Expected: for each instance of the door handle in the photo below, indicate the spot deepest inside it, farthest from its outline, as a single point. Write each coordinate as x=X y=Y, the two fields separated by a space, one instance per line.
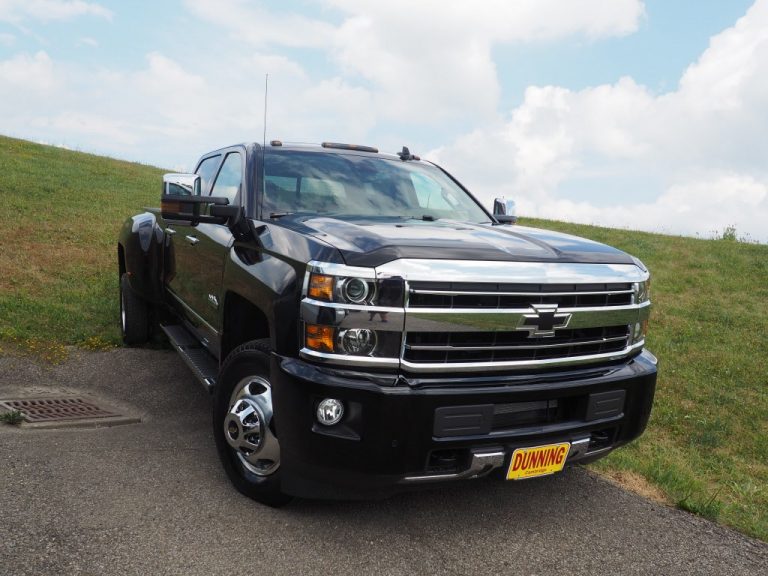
x=170 y=231
x=192 y=240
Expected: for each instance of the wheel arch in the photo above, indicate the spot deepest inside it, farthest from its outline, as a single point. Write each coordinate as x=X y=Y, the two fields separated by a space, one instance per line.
x=140 y=254
x=242 y=321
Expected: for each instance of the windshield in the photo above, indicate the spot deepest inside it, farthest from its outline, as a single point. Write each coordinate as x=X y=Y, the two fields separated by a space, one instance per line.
x=355 y=185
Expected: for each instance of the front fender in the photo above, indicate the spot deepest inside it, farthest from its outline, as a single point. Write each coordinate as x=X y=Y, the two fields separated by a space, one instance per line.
x=141 y=243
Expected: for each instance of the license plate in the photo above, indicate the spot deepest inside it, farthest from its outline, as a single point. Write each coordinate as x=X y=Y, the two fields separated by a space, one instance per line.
x=537 y=461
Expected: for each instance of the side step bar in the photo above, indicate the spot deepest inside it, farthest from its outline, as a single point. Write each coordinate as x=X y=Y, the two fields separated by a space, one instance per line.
x=203 y=365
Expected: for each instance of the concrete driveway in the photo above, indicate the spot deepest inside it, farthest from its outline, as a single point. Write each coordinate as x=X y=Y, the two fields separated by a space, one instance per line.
x=151 y=498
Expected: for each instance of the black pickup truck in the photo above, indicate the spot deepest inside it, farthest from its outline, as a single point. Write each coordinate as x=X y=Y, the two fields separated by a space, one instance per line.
x=366 y=326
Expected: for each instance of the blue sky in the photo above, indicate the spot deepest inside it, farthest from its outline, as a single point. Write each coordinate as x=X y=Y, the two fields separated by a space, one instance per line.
x=635 y=114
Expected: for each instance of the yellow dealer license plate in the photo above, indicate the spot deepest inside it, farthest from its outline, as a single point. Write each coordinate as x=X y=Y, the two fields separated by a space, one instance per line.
x=537 y=461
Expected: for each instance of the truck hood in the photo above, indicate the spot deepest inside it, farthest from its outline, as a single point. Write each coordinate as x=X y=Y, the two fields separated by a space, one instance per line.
x=375 y=241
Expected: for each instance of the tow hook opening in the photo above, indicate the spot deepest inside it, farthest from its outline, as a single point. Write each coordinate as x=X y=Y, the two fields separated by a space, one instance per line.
x=447 y=461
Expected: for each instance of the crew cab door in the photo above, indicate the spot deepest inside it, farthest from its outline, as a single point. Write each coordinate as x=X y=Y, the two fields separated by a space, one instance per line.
x=183 y=240
x=212 y=248
x=200 y=251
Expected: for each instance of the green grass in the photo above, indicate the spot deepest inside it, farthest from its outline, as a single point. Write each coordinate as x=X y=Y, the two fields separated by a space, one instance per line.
x=706 y=446
x=14 y=417
x=60 y=217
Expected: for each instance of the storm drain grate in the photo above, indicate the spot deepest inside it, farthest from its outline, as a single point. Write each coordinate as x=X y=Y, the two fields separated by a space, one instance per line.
x=57 y=409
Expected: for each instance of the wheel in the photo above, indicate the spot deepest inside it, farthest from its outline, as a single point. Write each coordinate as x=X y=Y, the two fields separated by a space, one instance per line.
x=244 y=424
x=134 y=315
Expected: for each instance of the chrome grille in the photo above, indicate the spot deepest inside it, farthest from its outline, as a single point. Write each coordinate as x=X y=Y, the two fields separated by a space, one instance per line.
x=457 y=347
x=463 y=316
x=505 y=296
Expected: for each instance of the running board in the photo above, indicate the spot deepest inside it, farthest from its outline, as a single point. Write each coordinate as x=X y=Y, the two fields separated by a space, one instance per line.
x=203 y=365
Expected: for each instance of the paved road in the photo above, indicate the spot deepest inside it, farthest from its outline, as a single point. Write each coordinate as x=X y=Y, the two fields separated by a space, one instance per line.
x=150 y=498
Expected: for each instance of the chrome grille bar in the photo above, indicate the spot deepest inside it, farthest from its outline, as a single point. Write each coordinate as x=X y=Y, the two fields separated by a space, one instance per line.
x=517 y=347
x=543 y=293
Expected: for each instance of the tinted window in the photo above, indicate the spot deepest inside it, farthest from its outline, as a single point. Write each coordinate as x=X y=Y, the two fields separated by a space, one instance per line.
x=206 y=171
x=230 y=176
x=347 y=184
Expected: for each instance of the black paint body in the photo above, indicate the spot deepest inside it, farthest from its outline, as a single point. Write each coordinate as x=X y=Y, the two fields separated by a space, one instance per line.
x=390 y=435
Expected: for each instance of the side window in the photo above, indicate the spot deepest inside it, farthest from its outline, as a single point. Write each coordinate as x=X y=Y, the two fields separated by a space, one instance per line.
x=206 y=171
x=230 y=177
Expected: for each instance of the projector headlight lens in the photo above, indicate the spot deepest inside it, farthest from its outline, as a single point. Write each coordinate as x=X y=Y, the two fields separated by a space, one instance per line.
x=355 y=290
x=358 y=341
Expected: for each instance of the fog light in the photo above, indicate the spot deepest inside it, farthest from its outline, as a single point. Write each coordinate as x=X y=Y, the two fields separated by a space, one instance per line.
x=330 y=411
x=358 y=341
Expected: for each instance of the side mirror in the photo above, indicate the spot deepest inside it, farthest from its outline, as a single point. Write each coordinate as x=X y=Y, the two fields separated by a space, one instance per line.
x=181 y=185
x=181 y=200
x=504 y=211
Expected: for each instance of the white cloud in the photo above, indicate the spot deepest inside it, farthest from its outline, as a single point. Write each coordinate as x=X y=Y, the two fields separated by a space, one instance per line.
x=260 y=27
x=167 y=114
x=87 y=41
x=16 y=11
x=427 y=61
x=28 y=75
x=703 y=207
x=690 y=160
x=7 y=39
x=696 y=154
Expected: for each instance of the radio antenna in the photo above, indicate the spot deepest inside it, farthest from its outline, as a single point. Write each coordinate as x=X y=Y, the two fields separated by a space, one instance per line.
x=264 y=145
x=266 y=93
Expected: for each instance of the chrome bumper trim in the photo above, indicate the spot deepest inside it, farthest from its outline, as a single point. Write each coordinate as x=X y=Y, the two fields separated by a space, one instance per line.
x=482 y=463
x=349 y=360
x=443 y=367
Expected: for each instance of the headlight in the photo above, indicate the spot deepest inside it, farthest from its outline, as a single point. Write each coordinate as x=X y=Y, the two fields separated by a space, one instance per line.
x=358 y=341
x=344 y=290
x=642 y=291
x=321 y=287
x=351 y=317
x=320 y=338
x=642 y=295
x=355 y=290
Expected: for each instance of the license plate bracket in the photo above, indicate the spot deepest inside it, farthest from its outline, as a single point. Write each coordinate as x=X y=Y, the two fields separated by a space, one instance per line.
x=533 y=461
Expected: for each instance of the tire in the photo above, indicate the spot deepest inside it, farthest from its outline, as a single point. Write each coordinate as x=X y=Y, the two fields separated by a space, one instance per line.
x=134 y=315
x=244 y=424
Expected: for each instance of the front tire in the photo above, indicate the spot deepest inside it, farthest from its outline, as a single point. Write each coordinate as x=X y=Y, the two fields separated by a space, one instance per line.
x=134 y=315
x=244 y=424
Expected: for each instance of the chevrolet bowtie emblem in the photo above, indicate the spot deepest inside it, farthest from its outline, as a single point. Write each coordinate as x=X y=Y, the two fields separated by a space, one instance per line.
x=544 y=322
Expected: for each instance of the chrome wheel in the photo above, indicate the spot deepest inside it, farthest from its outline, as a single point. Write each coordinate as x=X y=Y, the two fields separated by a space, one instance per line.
x=247 y=426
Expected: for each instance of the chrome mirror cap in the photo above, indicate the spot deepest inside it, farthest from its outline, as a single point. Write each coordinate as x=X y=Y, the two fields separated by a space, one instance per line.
x=504 y=211
x=181 y=185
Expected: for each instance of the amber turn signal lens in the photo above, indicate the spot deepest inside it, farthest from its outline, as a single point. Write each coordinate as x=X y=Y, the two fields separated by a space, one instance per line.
x=319 y=338
x=321 y=287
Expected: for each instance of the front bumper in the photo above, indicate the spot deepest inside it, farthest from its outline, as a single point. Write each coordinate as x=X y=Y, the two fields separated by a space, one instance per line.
x=426 y=430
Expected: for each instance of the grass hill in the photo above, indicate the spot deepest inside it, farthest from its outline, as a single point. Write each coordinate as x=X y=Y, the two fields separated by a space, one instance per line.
x=706 y=448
